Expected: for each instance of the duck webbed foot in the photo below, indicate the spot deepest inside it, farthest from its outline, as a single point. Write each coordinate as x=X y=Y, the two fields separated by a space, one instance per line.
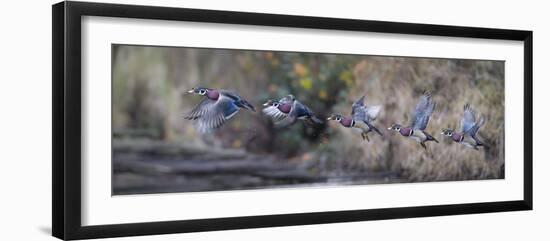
x=423 y=145
x=365 y=136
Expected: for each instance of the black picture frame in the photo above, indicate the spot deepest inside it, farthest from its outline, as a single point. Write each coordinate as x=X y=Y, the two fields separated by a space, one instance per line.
x=66 y=158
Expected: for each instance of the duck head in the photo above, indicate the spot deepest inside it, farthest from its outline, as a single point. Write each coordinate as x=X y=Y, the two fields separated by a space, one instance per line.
x=395 y=127
x=272 y=103
x=447 y=132
x=344 y=121
x=209 y=93
x=198 y=90
x=403 y=130
x=457 y=137
x=336 y=117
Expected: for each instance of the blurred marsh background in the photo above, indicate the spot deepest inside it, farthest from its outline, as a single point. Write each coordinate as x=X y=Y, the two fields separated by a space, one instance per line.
x=156 y=150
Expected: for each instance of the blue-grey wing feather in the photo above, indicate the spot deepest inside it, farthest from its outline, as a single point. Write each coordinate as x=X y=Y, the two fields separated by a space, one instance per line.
x=360 y=102
x=223 y=109
x=357 y=109
x=469 y=123
x=361 y=112
x=469 y=119
x=422 y=112
x=473 y=131
x=230 y=94
x=204 y=106
x=291 y=117
x=238 y=100
x=274 y=113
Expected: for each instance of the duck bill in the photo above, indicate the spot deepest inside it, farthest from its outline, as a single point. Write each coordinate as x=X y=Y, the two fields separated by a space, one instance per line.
x=266 y=103
x=191 y=91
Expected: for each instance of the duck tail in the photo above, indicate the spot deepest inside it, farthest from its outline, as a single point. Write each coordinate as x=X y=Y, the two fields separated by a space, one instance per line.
x=486 y=147
x=246 y=105
x=374 y=128
x=430 y=138
x=315 y=120
x=479 y=143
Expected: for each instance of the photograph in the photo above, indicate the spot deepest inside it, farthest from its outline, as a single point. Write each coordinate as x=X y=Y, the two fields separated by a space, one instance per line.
x=190 y=119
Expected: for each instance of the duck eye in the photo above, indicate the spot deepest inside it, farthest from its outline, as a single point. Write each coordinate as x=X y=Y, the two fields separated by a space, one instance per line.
x=202 y=92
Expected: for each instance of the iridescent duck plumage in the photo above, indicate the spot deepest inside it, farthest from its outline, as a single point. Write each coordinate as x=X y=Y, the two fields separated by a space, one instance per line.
x=216 y=108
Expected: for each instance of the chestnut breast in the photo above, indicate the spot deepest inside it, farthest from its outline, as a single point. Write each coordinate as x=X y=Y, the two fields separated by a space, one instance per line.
x=346 y=122
x=285 y=108
x=405 y=131
x=457 y=137
x=213 y=94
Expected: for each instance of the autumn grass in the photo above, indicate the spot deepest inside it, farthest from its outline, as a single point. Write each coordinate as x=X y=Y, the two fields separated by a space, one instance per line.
x=397 y=83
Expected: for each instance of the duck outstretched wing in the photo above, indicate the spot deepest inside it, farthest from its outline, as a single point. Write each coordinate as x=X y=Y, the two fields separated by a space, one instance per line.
x=274 y=113
x=203 y=107
x=217 y=114
x=422 y=112
x=361 y=112
x=291 y=117
x=469 y=118
x=469 y=123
